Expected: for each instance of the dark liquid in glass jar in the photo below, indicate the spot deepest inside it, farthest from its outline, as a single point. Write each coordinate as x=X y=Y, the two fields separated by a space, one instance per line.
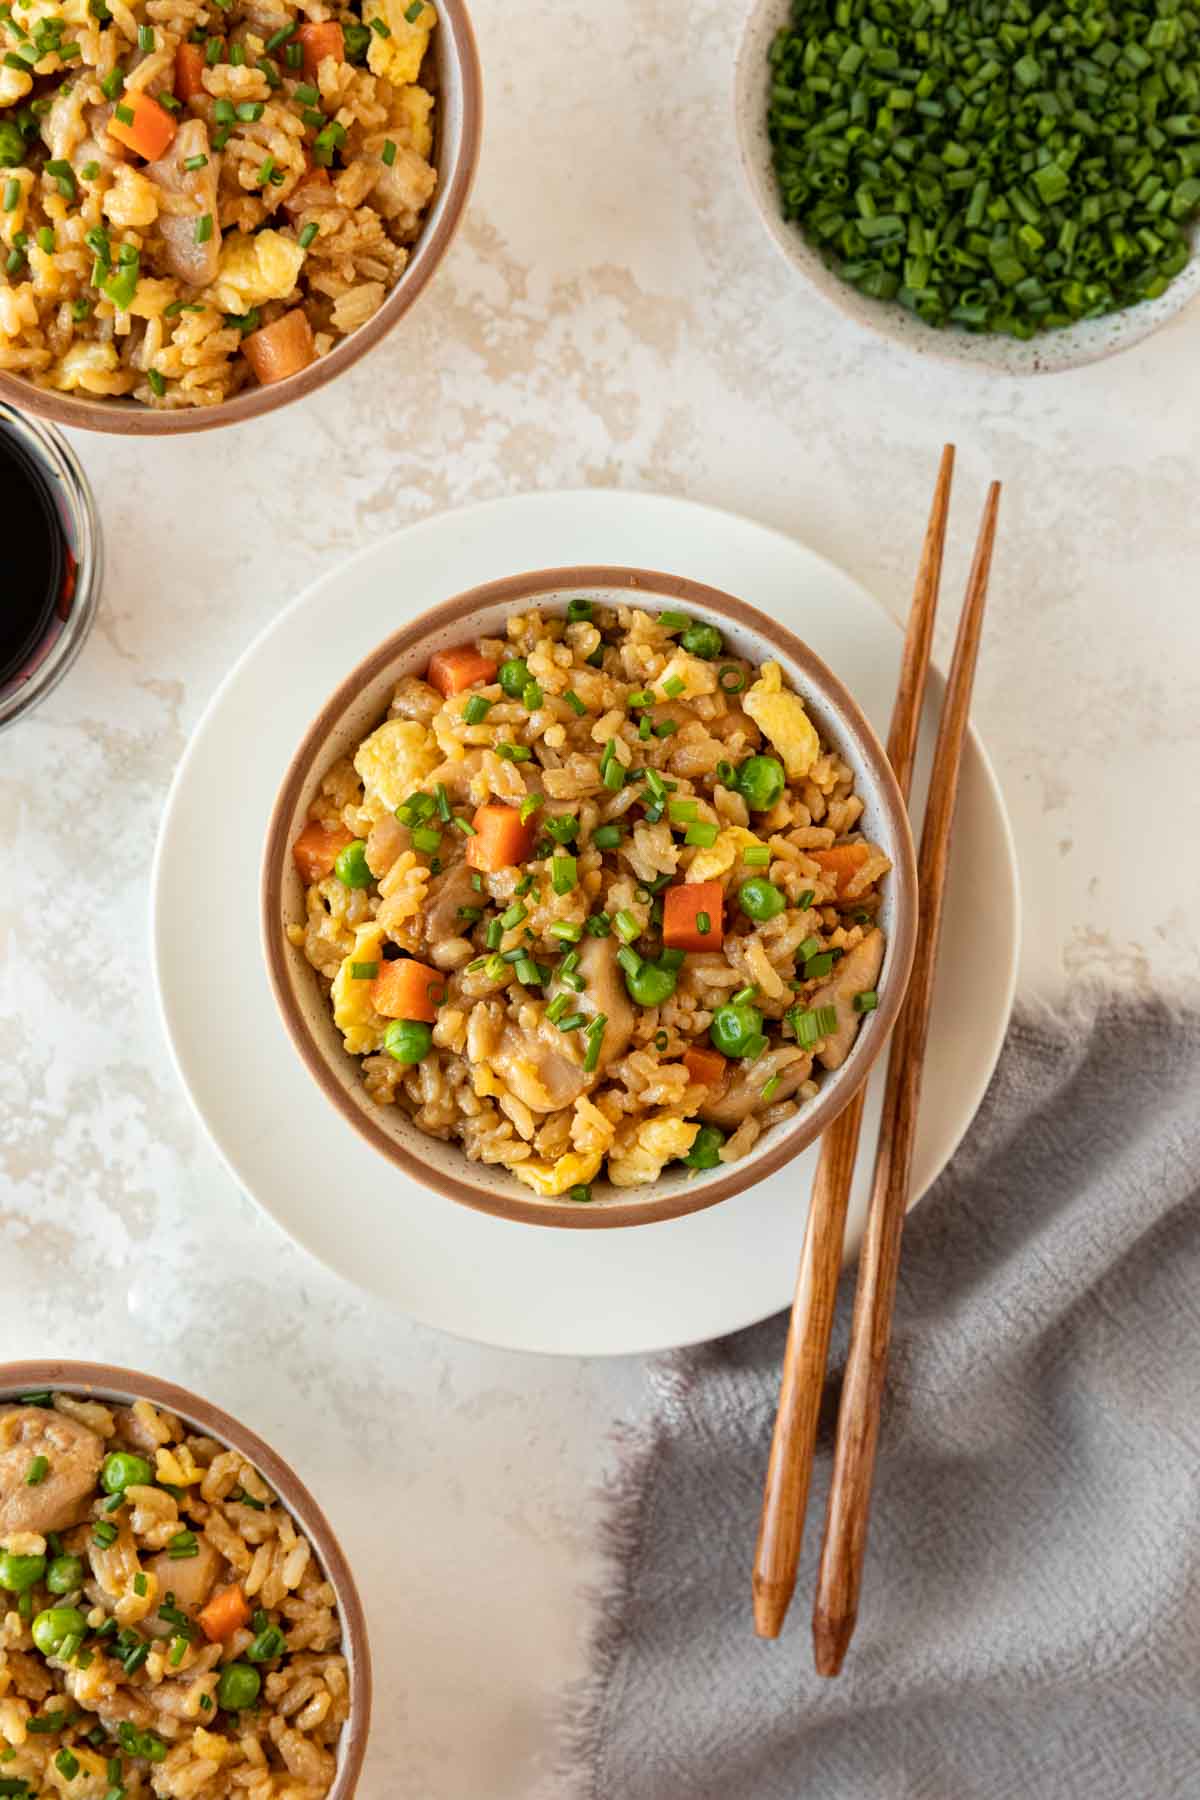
x=34 y=564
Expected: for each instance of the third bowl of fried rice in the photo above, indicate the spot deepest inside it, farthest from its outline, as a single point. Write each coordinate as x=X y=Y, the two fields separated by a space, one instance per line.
x=589 y=897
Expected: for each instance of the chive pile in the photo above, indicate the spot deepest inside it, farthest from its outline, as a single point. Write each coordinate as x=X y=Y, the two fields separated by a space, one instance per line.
x=1000 y=165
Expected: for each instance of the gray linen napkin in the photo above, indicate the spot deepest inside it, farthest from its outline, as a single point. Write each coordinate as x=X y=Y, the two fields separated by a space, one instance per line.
x=1030 y=1623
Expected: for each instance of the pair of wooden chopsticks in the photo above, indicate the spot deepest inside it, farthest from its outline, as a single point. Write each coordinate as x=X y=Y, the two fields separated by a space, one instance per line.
x=789 y=1469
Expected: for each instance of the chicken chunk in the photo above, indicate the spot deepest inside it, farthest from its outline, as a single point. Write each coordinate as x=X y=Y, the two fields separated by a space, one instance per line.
x=855 y=973
x=742 y=1093
x=187 y=194
x=447 y=895
x=190 y=1578
x=73 y=1455
x=538 y=1068
x=605 y=992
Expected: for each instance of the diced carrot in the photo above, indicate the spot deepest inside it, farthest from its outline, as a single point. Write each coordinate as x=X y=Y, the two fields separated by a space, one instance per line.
x=500 y=841
x=450 y=671
x=282 y=348
x=225 y=1613
x=705 y=1066
x=408 y=990
x=316 y=850
x=189 y=72
x=149 y=131
x=321 y=41
x=842 y=861
x=682 y=907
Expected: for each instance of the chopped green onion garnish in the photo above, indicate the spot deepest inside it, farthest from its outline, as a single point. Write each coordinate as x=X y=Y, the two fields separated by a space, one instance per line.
x=606 y=837
x=195 y=162
x=37 y=1472
x=308 y=234
x=805 y=900
x=703 y=924
x=514 y=752
x=581 y=1193
x=464 y=825
x=527 y=971
x=574 y=702
x=526 y=882
x=683 y=811
x=282 y=36
x=381 y=28
x=112 y=84
x=426 y=838
x=672 y=687
x=867 y=1001
x=123 y=114
x=158 y=385
x=139 y=1585
x=204 y=228
x=674 y=621
x=531 y=696
x=702 y=833
x=626 y=926
x=516 y=915
x=307 y=94
x=293 y=55
x=363 y=971
x=744 y=995
x=661 y=1040
x=183 y=1545
x=249 y=111
x=818 y=966
x=223 y=112
x=640 y=697
x=770 y=1087
x=595 y=1038
x=808 y=948
x=145 y=37
x=471 y=915
x=757 y=856
x=67 y=1764
x=476 y=710
x=566 y=929
x=665 y=727
x=45 y=238
x=212 y=52
x=237 y=55
x=731 y=680
x=441 y=800
x=529 y=806
x=579 y=609
x=629 y=959
x=104 y=1533
x=557 y=1008
x=598 y=925
x=12 y=194
x=644 y=727
x=496 y=967
x=388 y=153
x=563 y=873
x=179 y=1647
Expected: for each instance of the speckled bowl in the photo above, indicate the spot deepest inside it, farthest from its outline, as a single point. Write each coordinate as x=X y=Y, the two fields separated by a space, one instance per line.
x=1049 y=354
x=107 y=1382
x=452 y=70
x=360 y=703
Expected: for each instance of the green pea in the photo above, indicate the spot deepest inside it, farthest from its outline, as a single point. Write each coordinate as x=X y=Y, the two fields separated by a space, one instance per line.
x=703 y=640
x=122 y=1469
x=52 y=1628
x=760 y=898
x=351 y=866
x=515 y=677
x=760 y=782
x=12 y=145
x=20 y=1573
x=355 y=40
x=65 y=1574
x=650 y=984
x=408 y=1040
x=238 y=1687
x=734 y=1029
x=704 y=1151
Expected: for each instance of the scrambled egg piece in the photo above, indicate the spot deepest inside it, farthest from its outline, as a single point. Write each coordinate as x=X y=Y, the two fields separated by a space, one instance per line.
x=398 y=57
x=93 y=367
x=14 y=85
x=697 y=677
x=640 y=1159
x=410 y=112
x=782 y=718
x=707 y=865
x=549 y=1179
x=361 y=1026
x=393 y=762
x=255 y=269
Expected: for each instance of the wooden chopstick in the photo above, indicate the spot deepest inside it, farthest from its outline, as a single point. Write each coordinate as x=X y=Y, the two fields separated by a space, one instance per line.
x=789 y=1469
x=839 y=1579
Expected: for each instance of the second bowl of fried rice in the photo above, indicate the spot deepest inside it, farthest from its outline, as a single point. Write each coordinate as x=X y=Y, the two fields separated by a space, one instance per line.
x=210 y=207
x=589 y=898
x=177 y=1619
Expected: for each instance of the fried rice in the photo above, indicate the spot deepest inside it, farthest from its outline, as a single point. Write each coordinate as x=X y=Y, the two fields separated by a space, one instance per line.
x=196 y=195
x=165 y=1629
x=593 y=899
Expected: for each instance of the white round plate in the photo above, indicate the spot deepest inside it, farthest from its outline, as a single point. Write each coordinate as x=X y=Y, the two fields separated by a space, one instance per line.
x=650 y=1287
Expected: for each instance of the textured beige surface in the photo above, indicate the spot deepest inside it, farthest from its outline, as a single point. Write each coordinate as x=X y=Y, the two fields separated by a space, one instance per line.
x=612 y=314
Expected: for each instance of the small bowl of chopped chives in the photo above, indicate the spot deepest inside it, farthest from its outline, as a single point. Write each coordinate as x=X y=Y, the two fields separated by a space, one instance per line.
x=1011 y=187
x=588 y=898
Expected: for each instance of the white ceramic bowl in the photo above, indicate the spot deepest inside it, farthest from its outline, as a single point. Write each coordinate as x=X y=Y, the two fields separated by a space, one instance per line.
x=360 y=703
x=1047 y=354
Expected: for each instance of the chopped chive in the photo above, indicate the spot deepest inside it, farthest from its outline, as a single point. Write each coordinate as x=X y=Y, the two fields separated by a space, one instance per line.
x=683 y=812
x=731 y=680
x=867 y=1001
x=573 y=1021
x=726 y=773
x=145 y=38
x=574 y=702
x=308 y=234
x=674 y=621
x=665 y=727
x=570 y=980
x=566 y=929
x=808 y=948
x=477 y=963
x=613 y=773
x=37 y=1472
x=249 y=111
x=626 y=926
x=527 y=971
x=221 y=136
x=514 y=752
x=266 y=172
x=569 y=963
x=281 y=37
x=123 y=114
x=476 y=710
x=158 y=386
x=640 y=697
x=629 y=959
x=195 y=162
x=579 y=609
x=441 y=800
x=526 y=882
x=757 y=856
x=114 y=1504
x=307 y=94
x=672 y=687
x=204 y=228
x=223 y=112
x=595 y=1038
x=563 y=873
x=464 y=825
x=67 y=1764
x=470 y=914
x=182 y=1545
x=179 y=1648
x=388 y=153
x=562 y=827
x=606 y=837
x=557 y=1007
x=702 y=833
x=599 y=925
x=381 y=28
x=496 y=968
x=237 y=55
x=531 y=696
x=363 y=971
x=744 y=995
x=12 y=194
x=516 y=915
x=661 y=1040
x=293 y=55
x=112 y=84
x=818 y=966
x=581 y=1193
x=703 y=924
x=644 y=727
x=212 y=52
x=104 y=1533
x=139 y=1585
x=657 y=786
x=805 y=900
x=427 y=839
x=529 y=806
x=45 y=238
x=770 y=1087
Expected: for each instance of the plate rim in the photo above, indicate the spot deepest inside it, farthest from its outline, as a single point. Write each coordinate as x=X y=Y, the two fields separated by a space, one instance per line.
x=473 y=511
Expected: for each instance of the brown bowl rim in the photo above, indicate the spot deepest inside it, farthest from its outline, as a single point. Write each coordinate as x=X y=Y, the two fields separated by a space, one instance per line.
x=123 y=419
x=109 y=1381
x=809 y=1124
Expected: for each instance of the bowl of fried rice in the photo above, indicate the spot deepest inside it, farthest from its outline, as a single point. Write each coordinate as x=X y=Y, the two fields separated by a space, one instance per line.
x=176 y=1616
x=589 y=897
x=209 y=208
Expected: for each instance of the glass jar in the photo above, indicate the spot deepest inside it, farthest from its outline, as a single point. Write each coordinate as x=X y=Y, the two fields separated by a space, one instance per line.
x=72 y=617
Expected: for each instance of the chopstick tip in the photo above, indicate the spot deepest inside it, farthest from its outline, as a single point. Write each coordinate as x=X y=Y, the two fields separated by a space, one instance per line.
x=771 y=1602
x=831 y=1640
